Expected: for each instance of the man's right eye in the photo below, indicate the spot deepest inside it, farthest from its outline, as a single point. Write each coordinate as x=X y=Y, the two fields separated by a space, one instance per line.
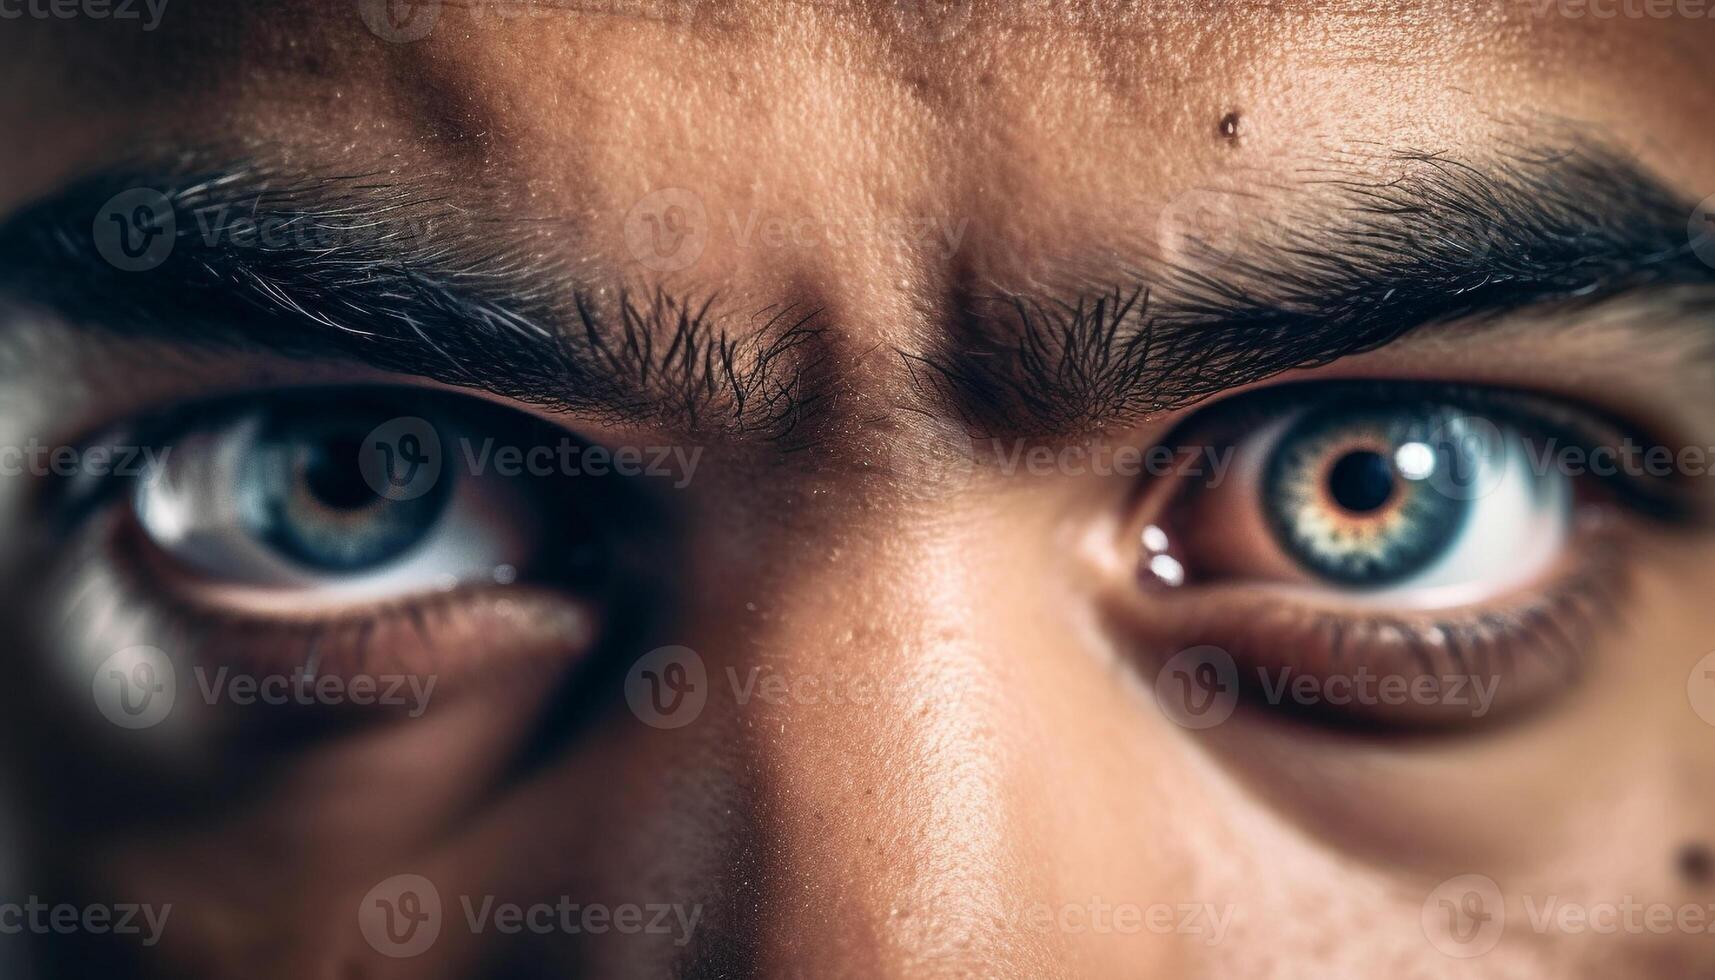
x=327 y=522
x=353 y=500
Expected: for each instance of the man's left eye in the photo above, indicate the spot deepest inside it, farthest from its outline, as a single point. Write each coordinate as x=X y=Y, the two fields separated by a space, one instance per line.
x=1414 y=531
x=1410 y=497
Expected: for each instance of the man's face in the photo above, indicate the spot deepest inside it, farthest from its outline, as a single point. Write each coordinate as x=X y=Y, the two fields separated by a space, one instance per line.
x=849 y=489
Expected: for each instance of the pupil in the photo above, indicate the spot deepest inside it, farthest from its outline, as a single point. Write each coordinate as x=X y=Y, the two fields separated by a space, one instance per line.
x=334 y=478
x=1361 y=481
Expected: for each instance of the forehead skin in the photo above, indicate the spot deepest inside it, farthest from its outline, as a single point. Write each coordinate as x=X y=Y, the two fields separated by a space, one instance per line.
x=1053 y=133
x=1034 y=132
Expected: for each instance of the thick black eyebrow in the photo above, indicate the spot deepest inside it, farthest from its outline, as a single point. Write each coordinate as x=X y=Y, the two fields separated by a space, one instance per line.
x=390 y=271
x=1444 y=241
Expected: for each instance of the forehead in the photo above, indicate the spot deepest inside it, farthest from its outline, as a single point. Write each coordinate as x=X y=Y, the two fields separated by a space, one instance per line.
x=900 y=91
x=857 y=153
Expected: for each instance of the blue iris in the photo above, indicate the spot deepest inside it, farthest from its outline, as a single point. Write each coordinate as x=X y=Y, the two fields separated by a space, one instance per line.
x=304 y=493
x=1369 y=496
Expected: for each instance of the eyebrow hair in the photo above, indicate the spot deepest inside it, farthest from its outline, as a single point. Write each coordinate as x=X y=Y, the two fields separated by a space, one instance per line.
x=390 y=272
x=1444 y=241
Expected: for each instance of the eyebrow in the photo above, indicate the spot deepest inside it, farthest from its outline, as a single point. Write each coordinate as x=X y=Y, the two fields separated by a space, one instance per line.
x=1443 y=242
x=389 y=271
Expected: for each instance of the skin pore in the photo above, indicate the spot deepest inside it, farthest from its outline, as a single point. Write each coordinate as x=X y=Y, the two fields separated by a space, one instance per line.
x=863 y=178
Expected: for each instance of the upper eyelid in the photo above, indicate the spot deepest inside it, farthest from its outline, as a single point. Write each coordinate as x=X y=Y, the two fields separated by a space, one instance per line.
x=1564 y=424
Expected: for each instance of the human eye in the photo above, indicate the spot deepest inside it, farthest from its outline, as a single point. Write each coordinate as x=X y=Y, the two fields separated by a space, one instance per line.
x=342 y=530
x=1401 y=555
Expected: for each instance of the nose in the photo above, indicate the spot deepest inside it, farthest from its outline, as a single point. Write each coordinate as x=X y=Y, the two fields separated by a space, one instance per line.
x=881 y=729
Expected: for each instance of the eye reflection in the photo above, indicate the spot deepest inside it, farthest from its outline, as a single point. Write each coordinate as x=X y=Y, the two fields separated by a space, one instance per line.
x=1415 y=531
x=1412 y=498
x=1339 y=500
x=273 y=495
x=304 y=492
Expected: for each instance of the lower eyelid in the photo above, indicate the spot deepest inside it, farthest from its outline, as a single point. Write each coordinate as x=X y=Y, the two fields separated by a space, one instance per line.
x=476 y=633
x=1528 y=645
